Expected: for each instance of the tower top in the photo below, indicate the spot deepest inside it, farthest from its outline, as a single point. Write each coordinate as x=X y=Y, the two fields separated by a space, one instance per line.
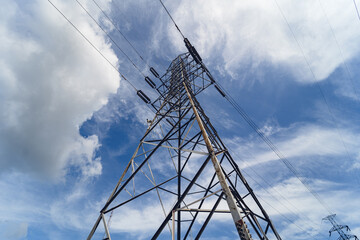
x=339 y=228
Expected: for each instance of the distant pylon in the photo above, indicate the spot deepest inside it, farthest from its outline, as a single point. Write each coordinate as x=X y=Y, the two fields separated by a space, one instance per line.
x=339 y=228
x=182 y=165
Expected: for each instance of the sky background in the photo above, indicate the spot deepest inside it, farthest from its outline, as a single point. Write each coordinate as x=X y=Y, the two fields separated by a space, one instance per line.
x=69 y=123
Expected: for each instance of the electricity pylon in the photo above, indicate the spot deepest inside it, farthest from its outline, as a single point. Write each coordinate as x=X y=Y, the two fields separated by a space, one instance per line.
x=339 y=228
x=182 y=165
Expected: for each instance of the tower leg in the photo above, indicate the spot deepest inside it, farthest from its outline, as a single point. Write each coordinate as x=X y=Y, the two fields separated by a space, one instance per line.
x=235 y=211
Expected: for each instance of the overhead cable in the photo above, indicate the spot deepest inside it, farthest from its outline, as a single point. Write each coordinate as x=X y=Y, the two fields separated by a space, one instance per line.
x=285 y=217
x=121 y=33
x=116 y=69
x=172 y=19
x=249 y=120
x=138 y=92
x=356 y=8
x=348 y=75
x=314 y=77
x=341 y=52
x=152 y=70
x=98 y=24
x=272 y=146
x=273 y=189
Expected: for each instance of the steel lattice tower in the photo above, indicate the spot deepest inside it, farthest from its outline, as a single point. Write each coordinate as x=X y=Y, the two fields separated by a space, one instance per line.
x=182 y=163
x=339 y=228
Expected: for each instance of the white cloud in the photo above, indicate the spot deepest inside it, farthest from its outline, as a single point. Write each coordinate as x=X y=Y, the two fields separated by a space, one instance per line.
x=317 y=152
x=51 y=80
x=27 y=203
x=22 y=204
x=308 y=211
x=299 y=140
x=75 y=209
x=246 y=34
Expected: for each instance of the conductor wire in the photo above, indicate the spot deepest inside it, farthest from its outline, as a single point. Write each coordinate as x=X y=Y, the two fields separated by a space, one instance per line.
x=172 y=19
x=135 y=66
x=121 y=33
x=287 y=163
x=357 y=10
x=116 y=69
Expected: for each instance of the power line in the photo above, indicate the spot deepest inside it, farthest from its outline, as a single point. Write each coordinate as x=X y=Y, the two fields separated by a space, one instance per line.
x=256 y=128
x=172 y=19
x=268 y=184
x=142 y=95
x=304 y=56
x=112 y=40
x=286 y=218
x=114 y=3
x=138 y=92
x=356 y=8
x=68 y=20
x=297 y=42
x=122 y=51
x=273 y=147
x=315 y=79
x=277 y=199
x=347 y=71
x=121 y=33
x=287 y=163
x=272 y=195
x=341 y=52
x=147 y=79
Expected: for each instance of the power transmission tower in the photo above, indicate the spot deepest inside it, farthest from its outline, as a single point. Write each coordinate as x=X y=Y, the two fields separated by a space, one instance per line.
x=182 y=164
x=339 y=228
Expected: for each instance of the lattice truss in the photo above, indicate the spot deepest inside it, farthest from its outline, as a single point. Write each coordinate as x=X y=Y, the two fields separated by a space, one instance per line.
x=170 y=182
x=339 y=229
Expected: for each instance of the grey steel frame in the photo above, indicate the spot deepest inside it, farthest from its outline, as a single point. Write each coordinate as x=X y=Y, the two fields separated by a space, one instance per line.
x=177 y=111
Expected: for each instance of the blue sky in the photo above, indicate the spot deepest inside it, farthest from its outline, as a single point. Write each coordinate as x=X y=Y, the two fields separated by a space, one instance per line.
x=69 y=123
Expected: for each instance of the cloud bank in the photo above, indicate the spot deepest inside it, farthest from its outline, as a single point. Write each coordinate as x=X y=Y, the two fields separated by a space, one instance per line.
x=301 y=142
x=54 y=81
